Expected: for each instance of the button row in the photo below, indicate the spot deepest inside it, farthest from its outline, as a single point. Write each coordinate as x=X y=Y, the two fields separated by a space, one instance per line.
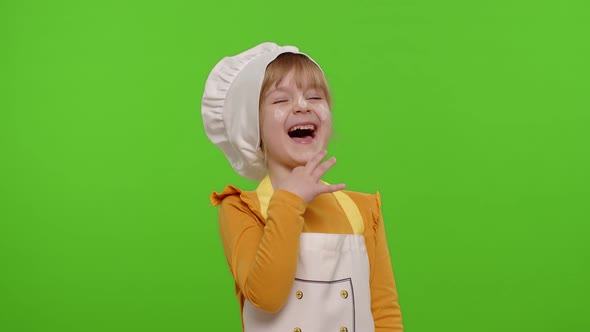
x=299 y=294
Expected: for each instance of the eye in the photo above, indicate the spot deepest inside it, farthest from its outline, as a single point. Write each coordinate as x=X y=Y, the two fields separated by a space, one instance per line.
x=315 y=98
x=278 y=101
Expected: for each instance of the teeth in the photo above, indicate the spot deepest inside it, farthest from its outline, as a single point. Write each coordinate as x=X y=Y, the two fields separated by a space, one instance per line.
x=302 y=127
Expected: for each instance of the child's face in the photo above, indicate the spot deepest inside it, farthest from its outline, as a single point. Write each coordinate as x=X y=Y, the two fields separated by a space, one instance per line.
x=295 y=123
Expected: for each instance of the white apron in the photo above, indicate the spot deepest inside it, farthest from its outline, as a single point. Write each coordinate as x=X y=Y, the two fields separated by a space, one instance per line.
x=331 y=287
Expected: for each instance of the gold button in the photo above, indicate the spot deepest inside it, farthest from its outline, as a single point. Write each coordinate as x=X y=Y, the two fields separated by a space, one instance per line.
x=296 y=329
x=343 y=329
x=344 y=295
x=299 y=294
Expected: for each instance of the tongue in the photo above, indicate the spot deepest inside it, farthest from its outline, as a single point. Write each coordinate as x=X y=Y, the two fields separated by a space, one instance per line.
x=302 y=140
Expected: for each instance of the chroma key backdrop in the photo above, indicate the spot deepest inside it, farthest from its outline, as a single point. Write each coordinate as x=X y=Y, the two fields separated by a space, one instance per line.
x=469 y=117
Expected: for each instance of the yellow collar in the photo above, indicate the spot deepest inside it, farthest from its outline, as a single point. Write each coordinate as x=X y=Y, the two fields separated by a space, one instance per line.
x=265 y=191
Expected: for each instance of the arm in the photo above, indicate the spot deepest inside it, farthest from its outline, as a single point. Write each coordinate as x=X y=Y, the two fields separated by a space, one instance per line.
x=384 y=299
x=263 y=258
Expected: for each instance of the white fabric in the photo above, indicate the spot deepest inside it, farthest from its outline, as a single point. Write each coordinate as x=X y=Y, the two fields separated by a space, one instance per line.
x=328 y=264
x=230 y=107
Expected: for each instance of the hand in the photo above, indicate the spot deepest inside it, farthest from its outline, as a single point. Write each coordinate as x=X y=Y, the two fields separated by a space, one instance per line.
x=305 y=181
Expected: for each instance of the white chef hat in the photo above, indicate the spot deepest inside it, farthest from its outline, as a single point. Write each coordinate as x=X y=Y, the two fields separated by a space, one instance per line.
x=230 y=107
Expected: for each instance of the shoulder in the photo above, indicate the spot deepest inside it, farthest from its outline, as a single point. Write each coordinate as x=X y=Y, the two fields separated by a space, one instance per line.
x=235 y=197
x=366 y=202
x=228 y=192
x=364 y=199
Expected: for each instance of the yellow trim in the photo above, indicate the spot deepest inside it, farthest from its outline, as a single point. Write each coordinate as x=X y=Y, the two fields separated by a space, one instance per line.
x=352 y=212
x=265 y=191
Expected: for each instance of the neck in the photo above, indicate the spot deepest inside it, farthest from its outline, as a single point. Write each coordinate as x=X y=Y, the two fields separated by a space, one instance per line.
x=277 y=173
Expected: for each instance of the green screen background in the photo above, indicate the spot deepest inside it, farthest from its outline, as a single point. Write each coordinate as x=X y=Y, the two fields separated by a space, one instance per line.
x=470 y=117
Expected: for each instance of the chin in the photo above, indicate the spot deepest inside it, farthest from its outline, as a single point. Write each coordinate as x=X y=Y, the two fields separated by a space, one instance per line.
x=304 y=157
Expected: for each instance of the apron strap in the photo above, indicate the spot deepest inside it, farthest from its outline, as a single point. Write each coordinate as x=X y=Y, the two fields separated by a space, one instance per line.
x=352 y=212
x=265 y=191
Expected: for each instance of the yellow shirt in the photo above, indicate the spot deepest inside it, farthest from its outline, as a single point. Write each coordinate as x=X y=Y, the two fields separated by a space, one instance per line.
x=262 y=254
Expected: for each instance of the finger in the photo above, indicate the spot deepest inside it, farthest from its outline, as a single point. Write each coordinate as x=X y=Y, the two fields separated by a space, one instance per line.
x=332 y=188
x=313 y=163
x=319 y=172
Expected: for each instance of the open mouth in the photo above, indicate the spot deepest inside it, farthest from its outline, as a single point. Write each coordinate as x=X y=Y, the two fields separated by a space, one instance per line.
x=302 y=131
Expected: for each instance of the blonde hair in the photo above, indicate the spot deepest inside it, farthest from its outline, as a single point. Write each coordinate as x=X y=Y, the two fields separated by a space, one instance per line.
x=305 y=69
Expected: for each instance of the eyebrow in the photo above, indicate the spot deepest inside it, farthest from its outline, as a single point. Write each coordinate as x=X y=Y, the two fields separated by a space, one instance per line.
x=277 y=89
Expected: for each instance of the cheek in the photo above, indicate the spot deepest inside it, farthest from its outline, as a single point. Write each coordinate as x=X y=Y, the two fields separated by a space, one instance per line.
x=325 y=115
x=272 y=121
x=279 y=115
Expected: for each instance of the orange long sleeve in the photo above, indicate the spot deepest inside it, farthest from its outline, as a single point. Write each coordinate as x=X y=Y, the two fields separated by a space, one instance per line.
x=262 y=255
x=384 y=298
x=263 y=258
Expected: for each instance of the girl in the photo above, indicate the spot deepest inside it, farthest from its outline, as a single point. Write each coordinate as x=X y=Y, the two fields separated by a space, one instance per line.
x=305 y=255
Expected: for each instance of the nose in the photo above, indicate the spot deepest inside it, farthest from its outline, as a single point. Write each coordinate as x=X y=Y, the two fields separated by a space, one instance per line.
x=301 y=106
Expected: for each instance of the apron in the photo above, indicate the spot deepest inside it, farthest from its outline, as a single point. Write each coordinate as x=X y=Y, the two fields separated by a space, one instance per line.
x=331 y=288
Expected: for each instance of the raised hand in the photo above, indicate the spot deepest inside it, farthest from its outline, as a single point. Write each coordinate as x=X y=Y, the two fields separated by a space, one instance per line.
x=305 y=181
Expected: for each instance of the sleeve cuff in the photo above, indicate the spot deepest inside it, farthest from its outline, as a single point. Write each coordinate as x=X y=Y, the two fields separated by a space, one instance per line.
x=289 y=201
